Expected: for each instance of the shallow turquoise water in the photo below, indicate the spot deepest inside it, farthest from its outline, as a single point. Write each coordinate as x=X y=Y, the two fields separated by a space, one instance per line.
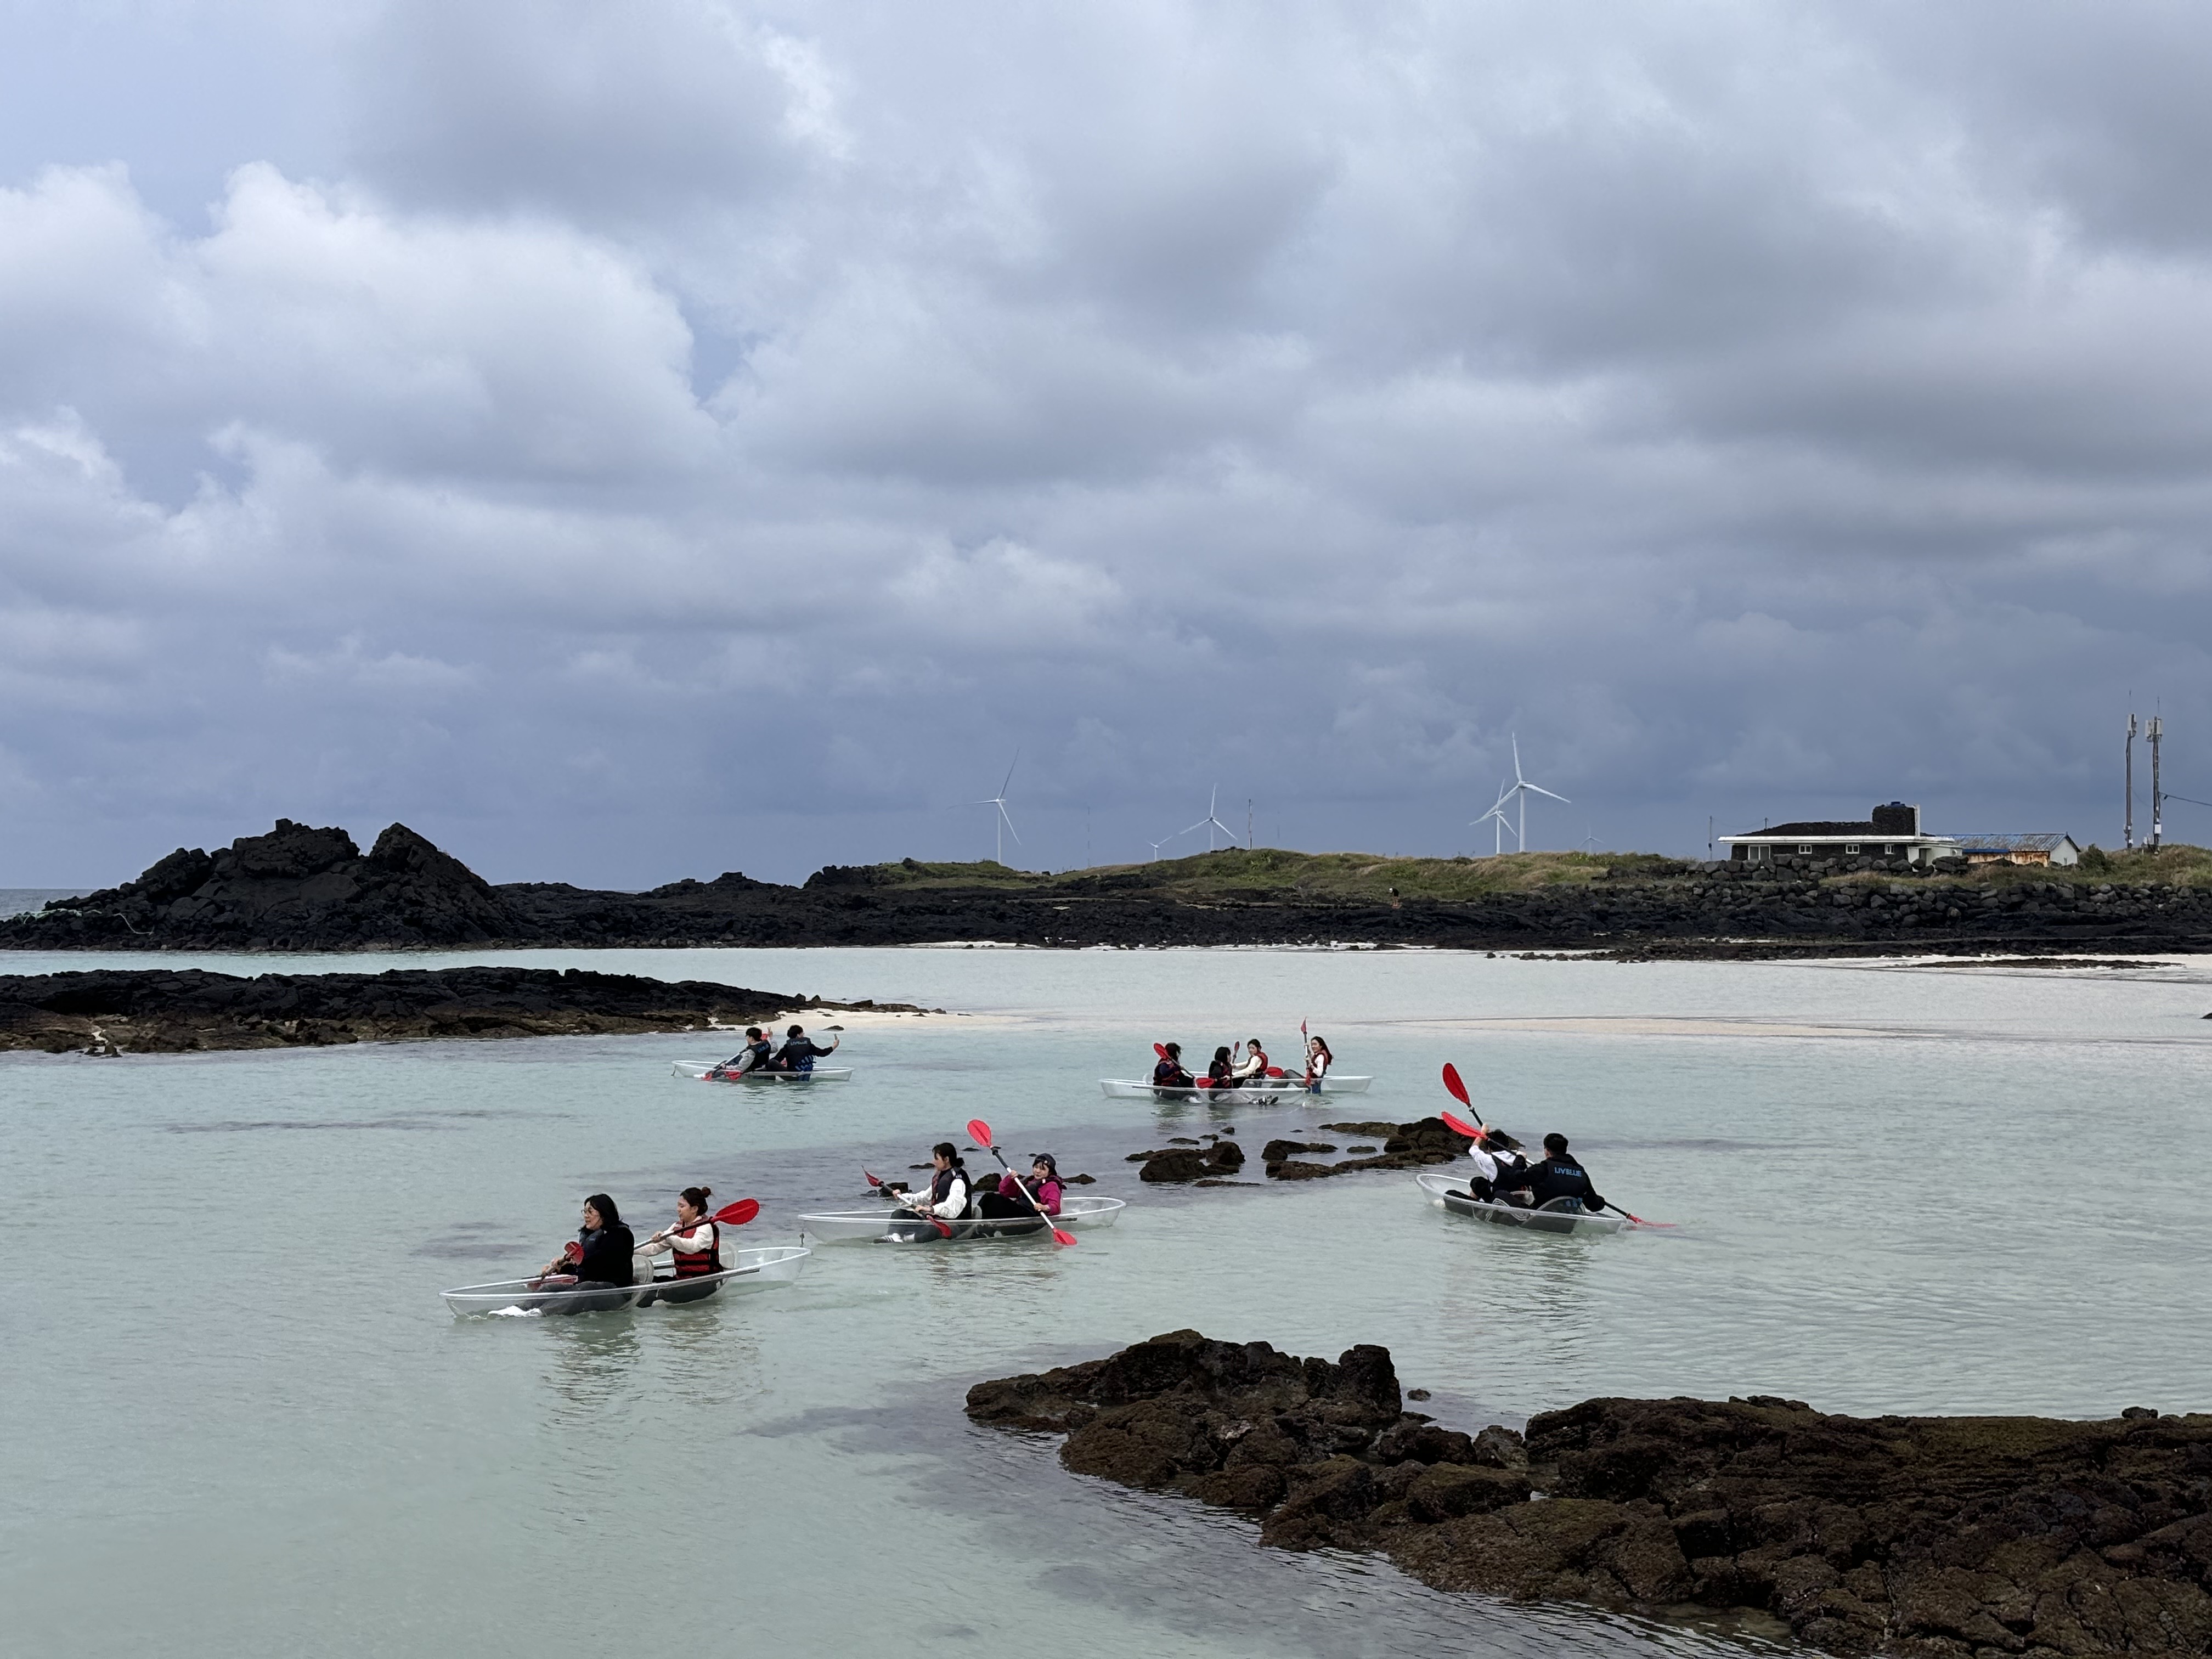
x=241 y=1422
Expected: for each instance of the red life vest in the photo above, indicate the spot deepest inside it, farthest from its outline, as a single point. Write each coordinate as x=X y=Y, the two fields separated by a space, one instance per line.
x=693 y=1264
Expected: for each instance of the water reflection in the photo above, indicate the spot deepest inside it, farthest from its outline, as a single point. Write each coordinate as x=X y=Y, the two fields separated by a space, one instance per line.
x=591 y=1361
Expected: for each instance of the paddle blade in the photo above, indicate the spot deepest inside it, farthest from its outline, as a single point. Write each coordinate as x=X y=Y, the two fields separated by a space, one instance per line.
x=1060 y=1237
x=1454 y=1087
x=873 y=1180
x=980 y=1132
x=1161 y=1049
x=736 y=1214
x=1460 y=1125
x=1275 y=1071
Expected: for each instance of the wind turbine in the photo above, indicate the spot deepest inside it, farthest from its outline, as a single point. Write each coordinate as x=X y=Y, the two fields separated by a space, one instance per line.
x=1496 y=815
x=1521 y=790
x=999 y=800
x=1210 y=822
x=1157 y=845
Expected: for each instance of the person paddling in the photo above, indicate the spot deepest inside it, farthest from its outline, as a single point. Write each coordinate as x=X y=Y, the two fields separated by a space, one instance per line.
x=1043 y=1184
x=800 y=1051
x=947 y=1196
x=695 y=1242
x=1557 y=1182
x=601 y=1256
x=1222 y=1073
x=1499 y=1167
x=1318 y=1061
x=753 y=1057
x=1170 y=1073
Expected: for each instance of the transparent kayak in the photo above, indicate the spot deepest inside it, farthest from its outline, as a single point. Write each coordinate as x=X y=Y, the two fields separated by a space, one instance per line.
x=763 y=1268
x=1450 y=1194
x=1273 y=1088
x=893 y=1223
x=710 y=1071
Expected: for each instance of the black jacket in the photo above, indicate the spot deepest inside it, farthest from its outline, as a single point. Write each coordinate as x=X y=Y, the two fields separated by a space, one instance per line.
x=609 y=1257
x=1169 y=1075
x=800 y=1049
x=1558 y=1177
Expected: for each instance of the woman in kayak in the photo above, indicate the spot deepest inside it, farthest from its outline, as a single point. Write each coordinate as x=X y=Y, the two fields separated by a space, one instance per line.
x=1221 y=1074
x=1253 y=1068
x=1043 y=1184
x=800 y=1051
x=949 y=1185
x=1498 y=1166
x=1318 y=1061
x=694 y=1241
x=599 y=1257
x=1170 y=1073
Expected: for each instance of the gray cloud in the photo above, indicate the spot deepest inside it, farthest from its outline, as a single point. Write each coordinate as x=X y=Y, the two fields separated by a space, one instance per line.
x=633 y=444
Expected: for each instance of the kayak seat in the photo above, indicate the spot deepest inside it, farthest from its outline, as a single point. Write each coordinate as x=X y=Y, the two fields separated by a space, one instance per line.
x=1562 y=1206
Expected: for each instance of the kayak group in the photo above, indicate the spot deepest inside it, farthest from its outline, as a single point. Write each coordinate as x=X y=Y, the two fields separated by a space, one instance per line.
x=953 y=1195
x=605 y=1254
x=1238 y=1066
x=760 y=1054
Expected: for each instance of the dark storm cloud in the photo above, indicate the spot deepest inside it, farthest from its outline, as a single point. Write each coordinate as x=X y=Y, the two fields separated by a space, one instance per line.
x=632 y=443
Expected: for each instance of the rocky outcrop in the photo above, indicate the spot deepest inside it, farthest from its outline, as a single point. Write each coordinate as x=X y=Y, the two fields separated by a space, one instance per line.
x=1216 y=1162
x=1924 y=1537
x=160 y=1011
x=1406 y=1146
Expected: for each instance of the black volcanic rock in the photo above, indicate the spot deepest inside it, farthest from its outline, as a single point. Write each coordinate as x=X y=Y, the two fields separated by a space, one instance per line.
x=158 y=1010
x=1920 y=1537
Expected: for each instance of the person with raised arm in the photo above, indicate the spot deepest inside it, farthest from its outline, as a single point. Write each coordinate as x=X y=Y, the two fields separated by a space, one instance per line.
x=800 y=1051
x=1318 y=1061
x=1253 y=1068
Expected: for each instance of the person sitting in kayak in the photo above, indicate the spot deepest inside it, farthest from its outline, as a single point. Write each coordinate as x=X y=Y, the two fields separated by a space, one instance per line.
x=949 y=1185
x=601 y=1257
x=1221 y=1074
x=1253 y=1068
x=694 y=1241
x=800 y=1051
x=1559 y=1181
x=1318 y=1061
x=1498 y=1166
x=753 y=1057
x=1170 y=1073
x=1043 y=1184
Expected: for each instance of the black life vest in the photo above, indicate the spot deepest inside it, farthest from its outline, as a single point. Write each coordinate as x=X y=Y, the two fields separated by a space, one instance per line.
x=694 y=1264
x=941 y=1188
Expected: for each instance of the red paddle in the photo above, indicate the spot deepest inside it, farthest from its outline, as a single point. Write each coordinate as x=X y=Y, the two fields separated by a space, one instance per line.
x=730 y=1215
x=1458 y=1127
x=980 y=1132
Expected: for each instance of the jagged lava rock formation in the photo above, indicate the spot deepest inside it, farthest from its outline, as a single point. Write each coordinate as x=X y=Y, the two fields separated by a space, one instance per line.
x=1923 y=1537
x=161 y=1010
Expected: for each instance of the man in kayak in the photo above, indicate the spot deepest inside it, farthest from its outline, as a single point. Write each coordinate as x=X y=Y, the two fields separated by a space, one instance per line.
x=1170 y=1073
x=599 y=1257
x=1559 y=1180
x=753 y=1057
x=800 y=1051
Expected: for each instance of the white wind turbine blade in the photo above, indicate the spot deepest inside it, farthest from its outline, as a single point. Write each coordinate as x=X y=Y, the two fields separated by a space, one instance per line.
x=1011 y=830
x=1533 y=790
x=1010 y=765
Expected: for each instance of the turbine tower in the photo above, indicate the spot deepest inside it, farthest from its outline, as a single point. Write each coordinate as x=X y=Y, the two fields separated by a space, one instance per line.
x=1521 y=790
x=999 y=800
x=1496 y=818
x=1211 y=822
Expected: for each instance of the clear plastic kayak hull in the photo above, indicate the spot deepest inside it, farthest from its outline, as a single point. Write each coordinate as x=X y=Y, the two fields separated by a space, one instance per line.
x=895 y=1225
x=763 y=1267
x=1450 y=1194
x=1243 y=1094
x=709 y=1070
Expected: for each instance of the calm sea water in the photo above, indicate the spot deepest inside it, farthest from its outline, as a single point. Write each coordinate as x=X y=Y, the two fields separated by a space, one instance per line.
x=241 y=1423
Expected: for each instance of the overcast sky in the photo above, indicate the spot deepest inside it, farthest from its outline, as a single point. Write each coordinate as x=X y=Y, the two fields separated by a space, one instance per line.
x=629 y=440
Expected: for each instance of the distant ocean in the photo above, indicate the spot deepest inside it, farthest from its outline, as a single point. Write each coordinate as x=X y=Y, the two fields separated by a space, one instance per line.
x=14 y=901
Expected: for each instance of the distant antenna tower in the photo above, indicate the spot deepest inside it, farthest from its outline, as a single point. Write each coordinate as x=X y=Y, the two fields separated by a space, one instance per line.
x=1250 y=840
x=2153 y=731
x=2127 y=834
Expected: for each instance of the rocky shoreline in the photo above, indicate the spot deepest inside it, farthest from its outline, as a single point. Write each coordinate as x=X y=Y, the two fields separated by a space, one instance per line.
x=299 y=888
x=1924 y=1537
x=1214 y=1160
x=164 y=1012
